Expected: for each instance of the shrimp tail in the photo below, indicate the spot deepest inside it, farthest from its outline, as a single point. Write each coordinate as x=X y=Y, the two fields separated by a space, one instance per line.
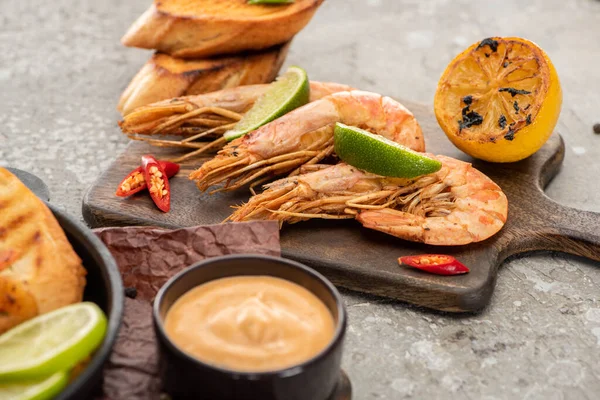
x=393 y=222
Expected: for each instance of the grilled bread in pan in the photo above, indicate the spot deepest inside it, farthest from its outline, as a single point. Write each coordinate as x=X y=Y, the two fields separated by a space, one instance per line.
x=205 y=28
x=39 y=270
x=164 y=77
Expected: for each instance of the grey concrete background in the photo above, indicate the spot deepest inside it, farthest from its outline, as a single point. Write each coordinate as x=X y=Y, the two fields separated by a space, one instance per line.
x=62 y=69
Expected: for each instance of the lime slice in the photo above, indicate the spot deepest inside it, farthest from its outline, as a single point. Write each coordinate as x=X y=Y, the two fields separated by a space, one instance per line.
x=270 y=1
x=378 y=155
x=51 y=342
x=289 y=91
x=44 y=389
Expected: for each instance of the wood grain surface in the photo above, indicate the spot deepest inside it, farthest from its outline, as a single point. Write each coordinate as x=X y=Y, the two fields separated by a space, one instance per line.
x=365 y=260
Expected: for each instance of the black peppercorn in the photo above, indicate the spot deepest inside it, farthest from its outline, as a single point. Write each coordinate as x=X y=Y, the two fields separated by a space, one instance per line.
x=131 y=292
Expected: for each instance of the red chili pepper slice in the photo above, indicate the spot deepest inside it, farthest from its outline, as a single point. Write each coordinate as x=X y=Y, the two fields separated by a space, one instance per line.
x=158 y=183
x=135 y=181
x=440 y=264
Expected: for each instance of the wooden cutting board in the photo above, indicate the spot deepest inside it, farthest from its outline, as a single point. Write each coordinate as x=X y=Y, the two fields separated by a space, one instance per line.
x=366 y=260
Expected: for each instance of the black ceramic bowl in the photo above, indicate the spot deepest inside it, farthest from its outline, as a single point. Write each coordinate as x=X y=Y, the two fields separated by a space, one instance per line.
x=188 y=378
x=105 y=288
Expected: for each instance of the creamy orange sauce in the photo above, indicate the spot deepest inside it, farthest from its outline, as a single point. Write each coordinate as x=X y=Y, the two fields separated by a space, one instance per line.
x=250 y=323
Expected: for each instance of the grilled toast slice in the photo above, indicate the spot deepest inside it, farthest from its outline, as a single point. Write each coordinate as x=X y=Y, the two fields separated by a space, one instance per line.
x=205 y=28
x=39 y=270
x=164 y=77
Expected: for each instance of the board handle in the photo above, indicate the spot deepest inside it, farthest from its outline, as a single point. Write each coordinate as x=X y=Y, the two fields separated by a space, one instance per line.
x=568 y=230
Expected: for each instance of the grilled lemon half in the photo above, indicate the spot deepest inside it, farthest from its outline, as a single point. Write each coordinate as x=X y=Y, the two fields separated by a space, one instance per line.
x=499 y=100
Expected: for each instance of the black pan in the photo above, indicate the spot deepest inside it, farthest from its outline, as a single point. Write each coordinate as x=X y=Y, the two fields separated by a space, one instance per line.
x=105 y=288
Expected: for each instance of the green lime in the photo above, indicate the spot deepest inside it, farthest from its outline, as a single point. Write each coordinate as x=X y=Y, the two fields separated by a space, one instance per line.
x=378 y=155
x=44 y=389
x=289 y=91
x=51 y=342
x=270 y=1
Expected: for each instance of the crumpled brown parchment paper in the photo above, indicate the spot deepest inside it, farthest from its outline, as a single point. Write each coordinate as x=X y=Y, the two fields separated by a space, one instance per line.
x=147 y=257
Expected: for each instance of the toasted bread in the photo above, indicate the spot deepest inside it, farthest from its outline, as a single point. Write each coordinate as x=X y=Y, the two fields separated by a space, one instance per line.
x=164 y=77
x=205 y=28
x=39 y=270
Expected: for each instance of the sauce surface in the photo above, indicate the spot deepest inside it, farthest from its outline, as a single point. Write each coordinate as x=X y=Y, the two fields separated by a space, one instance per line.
x=250 y=323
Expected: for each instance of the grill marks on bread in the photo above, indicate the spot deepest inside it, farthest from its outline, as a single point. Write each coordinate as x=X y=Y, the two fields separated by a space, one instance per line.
x=39 y=270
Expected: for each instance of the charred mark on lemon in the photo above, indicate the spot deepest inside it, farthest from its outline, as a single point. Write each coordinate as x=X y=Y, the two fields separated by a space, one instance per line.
x=490 y=42
x=502 y=122
x=513 y=92
x=510 y=135
x=470 y=118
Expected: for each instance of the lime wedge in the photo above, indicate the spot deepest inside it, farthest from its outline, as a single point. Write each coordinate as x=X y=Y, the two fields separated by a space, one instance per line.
x=270 y=1
x=378 y=155
x=289 y=91
x=51 y=342
x=44 y=389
